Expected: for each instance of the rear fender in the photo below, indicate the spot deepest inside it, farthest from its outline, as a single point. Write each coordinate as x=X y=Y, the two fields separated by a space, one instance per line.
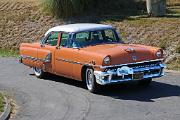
x=28 y=55
x=45 y=57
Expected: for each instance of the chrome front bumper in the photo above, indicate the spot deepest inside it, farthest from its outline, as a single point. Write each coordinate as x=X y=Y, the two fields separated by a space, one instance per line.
x=127 y=73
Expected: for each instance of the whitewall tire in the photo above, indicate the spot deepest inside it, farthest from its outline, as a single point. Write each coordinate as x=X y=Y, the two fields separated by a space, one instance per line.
x=38 y=72
x=90 y=80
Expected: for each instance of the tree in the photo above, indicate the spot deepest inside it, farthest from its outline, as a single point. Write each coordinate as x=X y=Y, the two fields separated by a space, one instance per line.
x=156 y=7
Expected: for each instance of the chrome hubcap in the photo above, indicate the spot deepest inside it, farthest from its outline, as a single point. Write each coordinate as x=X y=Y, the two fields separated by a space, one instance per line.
x=37 y=71
x=89 y=78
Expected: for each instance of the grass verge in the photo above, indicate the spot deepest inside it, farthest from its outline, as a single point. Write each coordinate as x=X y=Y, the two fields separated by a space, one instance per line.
x=1 y=103
x=8 y=53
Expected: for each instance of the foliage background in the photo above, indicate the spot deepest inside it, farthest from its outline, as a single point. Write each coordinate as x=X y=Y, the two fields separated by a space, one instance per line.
x=67 y=8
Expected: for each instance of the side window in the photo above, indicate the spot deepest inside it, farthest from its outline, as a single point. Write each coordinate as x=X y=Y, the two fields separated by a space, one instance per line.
x=96 y=35
x=52 y=39
x=64 y=39
x=109 y=34
x=81 y=39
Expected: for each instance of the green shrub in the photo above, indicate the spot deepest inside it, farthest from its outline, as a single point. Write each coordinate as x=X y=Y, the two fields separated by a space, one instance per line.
x=1 y=103
x=8 y=53
x=66 y=8
x=69 y=8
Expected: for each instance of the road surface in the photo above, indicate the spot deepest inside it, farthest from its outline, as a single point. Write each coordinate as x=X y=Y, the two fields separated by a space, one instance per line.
x=58 y=98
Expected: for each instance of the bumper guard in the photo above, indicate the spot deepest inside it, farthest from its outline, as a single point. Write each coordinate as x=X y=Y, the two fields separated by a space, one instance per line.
x=125 y=73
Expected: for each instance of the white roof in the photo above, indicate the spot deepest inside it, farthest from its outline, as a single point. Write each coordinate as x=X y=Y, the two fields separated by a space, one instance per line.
x=79 y=27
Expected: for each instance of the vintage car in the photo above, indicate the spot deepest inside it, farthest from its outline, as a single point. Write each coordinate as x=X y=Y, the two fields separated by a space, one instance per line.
x=93 y=53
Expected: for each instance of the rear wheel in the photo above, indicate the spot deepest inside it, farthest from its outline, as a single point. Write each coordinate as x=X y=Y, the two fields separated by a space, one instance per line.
x=145 y=82
x=39 y=72
x=90 y=80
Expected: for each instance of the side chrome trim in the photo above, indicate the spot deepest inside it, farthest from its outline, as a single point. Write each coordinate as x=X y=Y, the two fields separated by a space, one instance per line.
x=74 y=62
x=69 y=61
x=32 y=58
x=104 y=67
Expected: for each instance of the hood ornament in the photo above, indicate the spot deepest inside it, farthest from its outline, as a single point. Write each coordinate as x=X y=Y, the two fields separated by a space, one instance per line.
x=130 y=50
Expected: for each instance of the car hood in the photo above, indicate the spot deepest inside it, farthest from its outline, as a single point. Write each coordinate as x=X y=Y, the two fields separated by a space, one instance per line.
x=123 y=53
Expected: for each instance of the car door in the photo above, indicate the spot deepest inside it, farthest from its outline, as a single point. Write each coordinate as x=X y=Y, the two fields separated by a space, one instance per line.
x=64 y=57
x=46 y=51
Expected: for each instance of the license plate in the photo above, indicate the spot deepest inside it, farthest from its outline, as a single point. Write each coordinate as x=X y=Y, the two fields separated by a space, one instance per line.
x=138 y=76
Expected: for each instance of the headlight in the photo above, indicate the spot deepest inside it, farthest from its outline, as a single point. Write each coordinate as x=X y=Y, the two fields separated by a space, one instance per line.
x=107 y=60
x=159 y=53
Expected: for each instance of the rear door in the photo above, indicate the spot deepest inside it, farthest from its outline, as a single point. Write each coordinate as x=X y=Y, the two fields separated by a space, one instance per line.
x=46 y=52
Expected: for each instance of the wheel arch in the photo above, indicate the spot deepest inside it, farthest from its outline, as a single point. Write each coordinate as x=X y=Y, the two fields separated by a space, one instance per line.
x=83 y=69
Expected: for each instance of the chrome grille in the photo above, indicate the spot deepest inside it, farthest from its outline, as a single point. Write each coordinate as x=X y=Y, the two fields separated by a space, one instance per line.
x=145 y=65
x=137 y=66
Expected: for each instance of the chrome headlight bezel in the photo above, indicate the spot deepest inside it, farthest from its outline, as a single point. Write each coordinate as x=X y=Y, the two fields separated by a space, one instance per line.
x=159 y=54
x=107 y=60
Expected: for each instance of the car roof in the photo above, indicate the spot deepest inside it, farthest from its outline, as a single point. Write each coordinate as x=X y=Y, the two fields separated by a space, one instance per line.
x=78 y=27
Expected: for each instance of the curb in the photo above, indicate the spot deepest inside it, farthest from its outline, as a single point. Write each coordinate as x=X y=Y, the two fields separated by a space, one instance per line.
x=7 y=109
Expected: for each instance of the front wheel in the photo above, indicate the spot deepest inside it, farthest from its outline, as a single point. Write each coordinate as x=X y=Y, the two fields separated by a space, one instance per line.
x=38 y=72
x=90 y=79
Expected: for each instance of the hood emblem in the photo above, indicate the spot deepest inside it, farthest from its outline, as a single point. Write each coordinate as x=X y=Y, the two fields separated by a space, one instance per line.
x=130 y=50
x=134 y=58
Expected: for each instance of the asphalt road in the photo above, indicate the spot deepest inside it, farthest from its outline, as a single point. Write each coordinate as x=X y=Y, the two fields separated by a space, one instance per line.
x=57 y=98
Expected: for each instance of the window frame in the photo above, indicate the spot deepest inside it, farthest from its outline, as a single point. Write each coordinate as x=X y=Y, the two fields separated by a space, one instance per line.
x=43 y=41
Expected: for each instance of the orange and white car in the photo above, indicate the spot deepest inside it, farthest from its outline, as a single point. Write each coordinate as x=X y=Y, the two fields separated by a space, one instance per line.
x=93 y=53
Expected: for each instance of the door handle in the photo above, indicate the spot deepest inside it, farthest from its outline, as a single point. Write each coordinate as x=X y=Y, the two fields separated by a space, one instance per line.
x=42 y=45
x=58 y=47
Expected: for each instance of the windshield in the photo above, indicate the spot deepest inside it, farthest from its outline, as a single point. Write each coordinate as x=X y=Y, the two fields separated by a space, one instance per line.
x=88 y=38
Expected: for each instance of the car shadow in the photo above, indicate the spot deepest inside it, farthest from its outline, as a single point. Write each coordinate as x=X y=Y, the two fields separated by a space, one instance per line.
x=147 y=94
x=60 y=79
x=130 y=91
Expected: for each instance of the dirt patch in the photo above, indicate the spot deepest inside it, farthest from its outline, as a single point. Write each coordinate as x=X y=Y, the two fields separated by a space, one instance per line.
x=161 y=32
x=14 y=108
x=22 y=22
